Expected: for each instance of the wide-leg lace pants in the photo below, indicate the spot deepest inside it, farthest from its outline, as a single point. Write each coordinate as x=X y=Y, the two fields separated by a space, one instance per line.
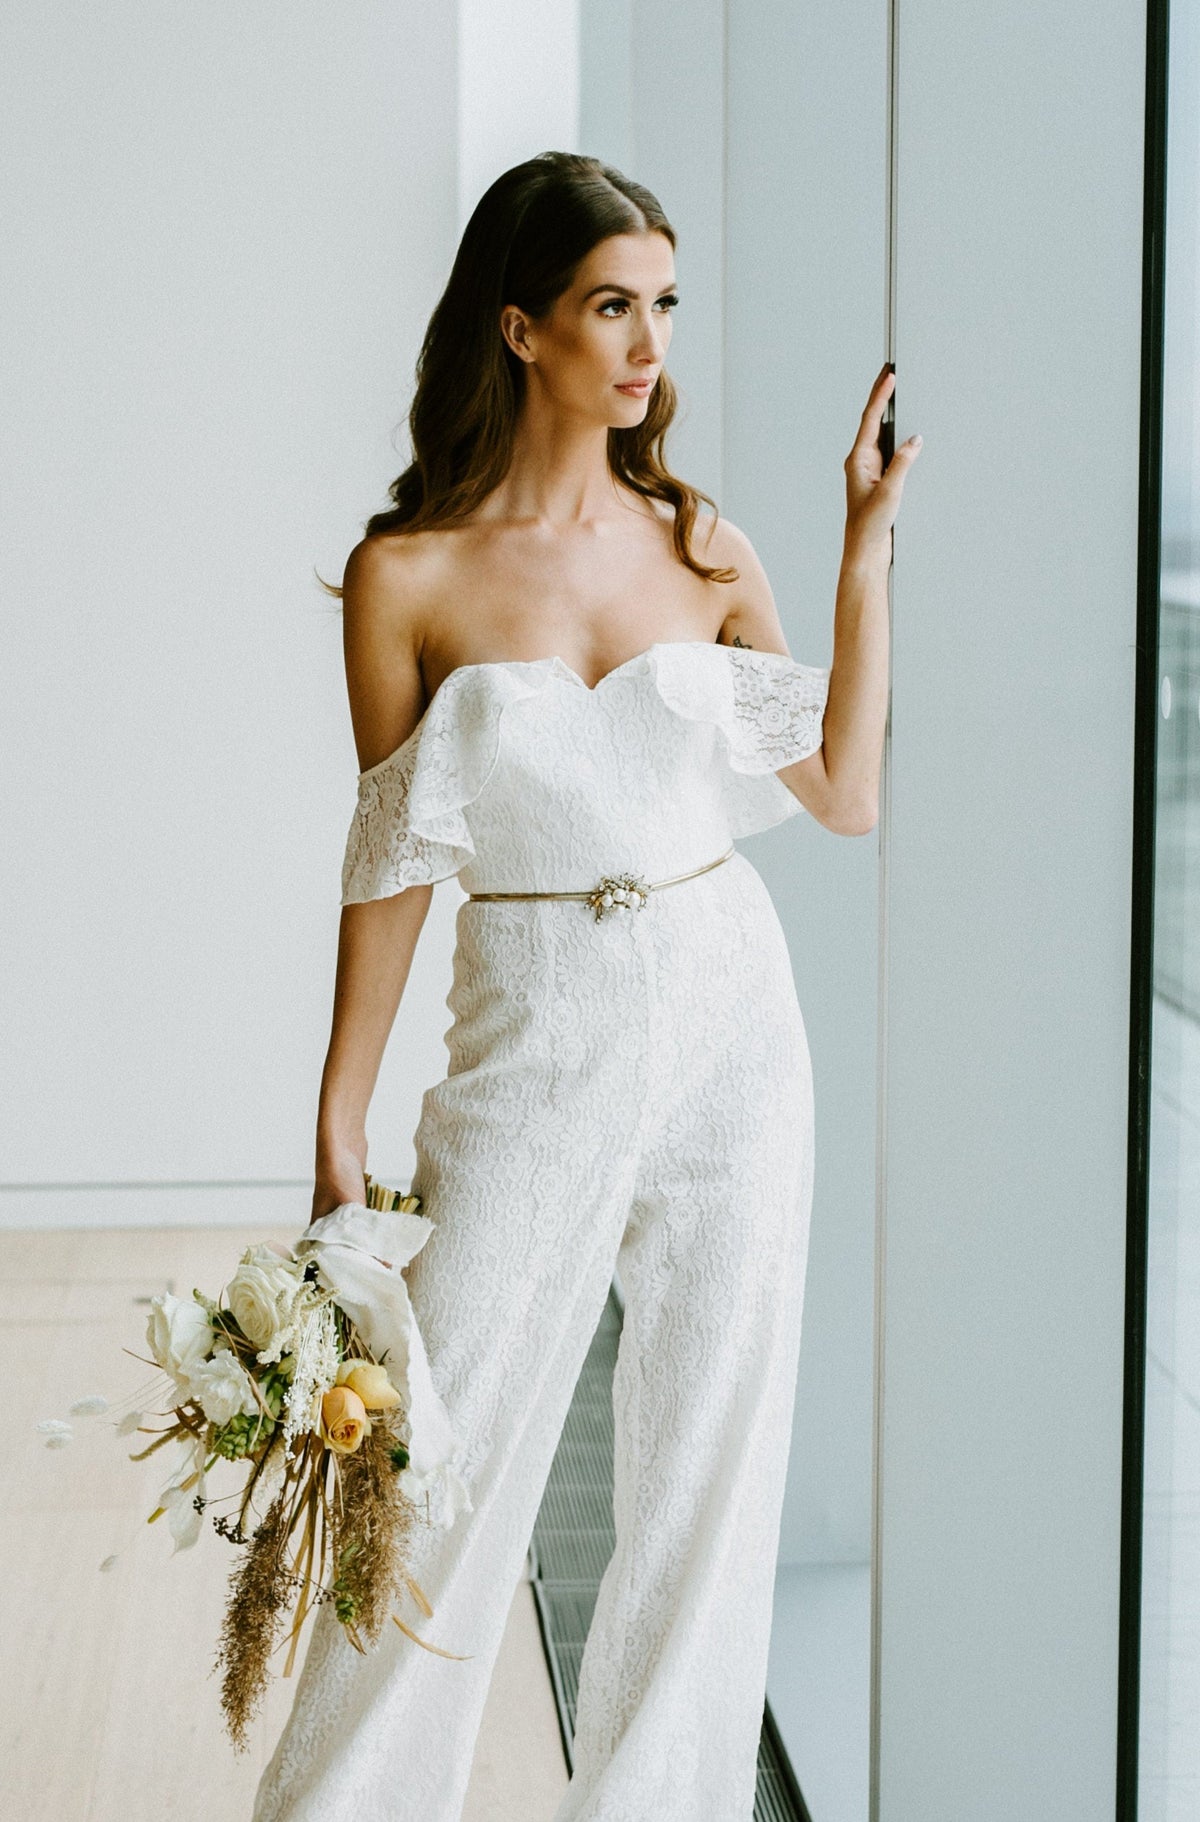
x=634 y=1092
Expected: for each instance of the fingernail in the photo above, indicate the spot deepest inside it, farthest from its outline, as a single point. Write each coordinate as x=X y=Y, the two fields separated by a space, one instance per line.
x=916 y=441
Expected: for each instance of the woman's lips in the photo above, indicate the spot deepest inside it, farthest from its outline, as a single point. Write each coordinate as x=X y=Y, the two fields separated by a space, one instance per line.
x=636 y=388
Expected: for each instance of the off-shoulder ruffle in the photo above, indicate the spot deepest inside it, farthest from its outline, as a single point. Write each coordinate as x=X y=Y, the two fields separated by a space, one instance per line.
x=769 y=710
x=408 y=826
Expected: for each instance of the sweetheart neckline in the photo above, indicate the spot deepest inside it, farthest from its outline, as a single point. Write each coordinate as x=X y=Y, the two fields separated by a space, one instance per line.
x=552 y=658
x=555 y=661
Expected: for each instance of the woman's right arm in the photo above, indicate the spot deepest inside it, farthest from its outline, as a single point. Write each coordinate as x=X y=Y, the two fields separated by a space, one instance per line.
x=376 y=939
x=375 y=950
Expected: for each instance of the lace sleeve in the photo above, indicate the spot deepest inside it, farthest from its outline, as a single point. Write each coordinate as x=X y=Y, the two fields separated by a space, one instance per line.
x=410 y=824
x=768 y=711
x=778 y=710
x=384 y=852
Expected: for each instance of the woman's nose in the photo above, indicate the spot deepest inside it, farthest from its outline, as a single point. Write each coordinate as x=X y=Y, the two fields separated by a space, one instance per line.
x=650 y=340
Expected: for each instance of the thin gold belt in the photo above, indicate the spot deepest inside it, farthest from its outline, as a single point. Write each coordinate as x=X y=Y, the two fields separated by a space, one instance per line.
x=616 y=891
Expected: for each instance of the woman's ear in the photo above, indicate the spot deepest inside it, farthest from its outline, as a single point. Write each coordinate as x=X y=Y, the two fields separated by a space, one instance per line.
x=514 y=326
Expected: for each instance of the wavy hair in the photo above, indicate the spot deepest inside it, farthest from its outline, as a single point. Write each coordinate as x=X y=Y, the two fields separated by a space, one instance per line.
x=523 y=245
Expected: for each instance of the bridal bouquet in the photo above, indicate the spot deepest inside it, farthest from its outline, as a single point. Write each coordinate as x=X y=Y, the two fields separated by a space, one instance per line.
x=309 y=1372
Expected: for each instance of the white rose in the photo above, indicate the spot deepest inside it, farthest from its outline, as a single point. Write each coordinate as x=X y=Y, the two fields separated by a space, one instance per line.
x=178 y=1334
x=222 y=1388
x=263 y=1294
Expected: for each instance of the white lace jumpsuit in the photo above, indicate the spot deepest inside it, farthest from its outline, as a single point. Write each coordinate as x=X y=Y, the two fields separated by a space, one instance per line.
x=630 y=1092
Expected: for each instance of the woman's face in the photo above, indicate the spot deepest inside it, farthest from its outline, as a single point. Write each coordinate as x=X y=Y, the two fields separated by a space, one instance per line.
x=610 y=329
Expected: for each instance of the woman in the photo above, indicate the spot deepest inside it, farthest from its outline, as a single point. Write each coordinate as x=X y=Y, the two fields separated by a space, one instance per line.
x=557 y=679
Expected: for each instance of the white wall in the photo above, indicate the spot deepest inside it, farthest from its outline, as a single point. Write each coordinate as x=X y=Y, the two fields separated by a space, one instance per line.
x=1018 y=296
x=226 y=230
x=804 y=339
x=518 y=88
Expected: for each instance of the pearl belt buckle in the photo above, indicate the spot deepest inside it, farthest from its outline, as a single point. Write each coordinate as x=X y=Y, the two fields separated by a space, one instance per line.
x=619 y=892
x=616 y=891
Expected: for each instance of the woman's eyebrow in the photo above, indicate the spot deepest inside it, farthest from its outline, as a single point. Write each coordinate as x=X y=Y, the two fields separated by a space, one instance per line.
x=624 y=291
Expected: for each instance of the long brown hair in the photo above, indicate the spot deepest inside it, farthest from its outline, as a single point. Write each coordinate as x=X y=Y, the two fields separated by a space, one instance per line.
x=523 y=244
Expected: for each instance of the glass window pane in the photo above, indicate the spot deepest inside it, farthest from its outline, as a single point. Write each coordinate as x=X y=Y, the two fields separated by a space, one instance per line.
x=1169 y=1737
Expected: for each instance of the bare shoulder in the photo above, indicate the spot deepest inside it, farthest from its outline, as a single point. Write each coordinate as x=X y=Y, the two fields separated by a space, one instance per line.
x=751 y=617
x=389 y=577
x=385 y=590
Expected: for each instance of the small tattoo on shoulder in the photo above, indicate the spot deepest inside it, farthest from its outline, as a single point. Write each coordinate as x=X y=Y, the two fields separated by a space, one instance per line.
x=742 y=643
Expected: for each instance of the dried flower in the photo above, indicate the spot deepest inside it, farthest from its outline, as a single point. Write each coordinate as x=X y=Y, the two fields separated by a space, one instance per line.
x=369 y=1534
x=57 y=1432
x=283 y=1376
x=314 y=1370
x=258 y=1591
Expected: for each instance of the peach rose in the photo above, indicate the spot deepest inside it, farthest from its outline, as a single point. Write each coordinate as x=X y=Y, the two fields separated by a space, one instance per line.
x=370 y=1381
x=344 y=1420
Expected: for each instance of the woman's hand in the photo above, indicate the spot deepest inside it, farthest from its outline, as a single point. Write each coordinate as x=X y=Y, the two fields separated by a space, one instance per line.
x=340 y=1175
x=873 y=493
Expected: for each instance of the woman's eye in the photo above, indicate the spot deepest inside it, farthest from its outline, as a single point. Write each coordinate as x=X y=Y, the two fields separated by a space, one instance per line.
x=621 y=303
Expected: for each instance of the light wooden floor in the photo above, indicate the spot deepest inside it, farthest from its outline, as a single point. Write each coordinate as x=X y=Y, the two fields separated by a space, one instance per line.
x=109 y=1709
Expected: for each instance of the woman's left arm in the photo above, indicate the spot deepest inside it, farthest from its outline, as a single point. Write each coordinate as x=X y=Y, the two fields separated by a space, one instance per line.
x=839 y=783
x=856 y=712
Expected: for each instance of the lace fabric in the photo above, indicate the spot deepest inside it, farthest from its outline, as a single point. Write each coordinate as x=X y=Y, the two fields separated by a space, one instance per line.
x=632 y=1093
x=769 y=710
x=412 y=823
x=409 y=826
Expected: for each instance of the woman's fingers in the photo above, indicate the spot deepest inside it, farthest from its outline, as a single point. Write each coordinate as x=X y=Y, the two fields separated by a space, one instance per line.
x=873 y=492
x=876 y=405
x=865 y=460
x=902 y=460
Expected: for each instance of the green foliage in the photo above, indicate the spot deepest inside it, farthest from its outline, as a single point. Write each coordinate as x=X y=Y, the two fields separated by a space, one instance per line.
x=242 y=1435
x=273 y=1388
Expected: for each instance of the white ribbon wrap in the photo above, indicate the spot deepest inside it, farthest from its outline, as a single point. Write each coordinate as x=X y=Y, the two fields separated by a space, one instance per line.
x=349 y=1246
